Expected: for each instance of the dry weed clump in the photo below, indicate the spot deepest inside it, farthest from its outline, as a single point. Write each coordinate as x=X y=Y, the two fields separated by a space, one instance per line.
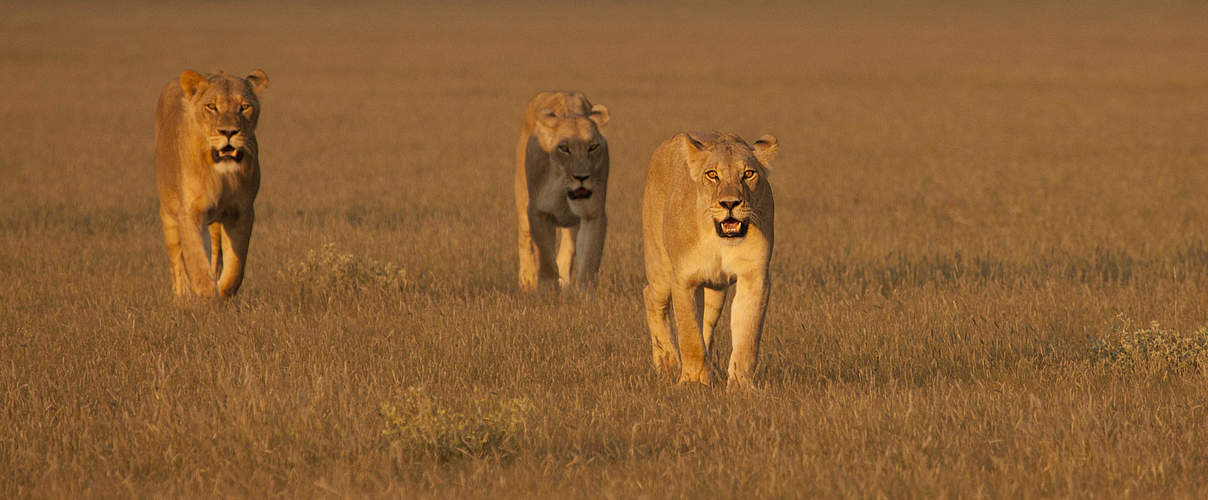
x=327 y=268
x=422 y=427
x=1153 y=349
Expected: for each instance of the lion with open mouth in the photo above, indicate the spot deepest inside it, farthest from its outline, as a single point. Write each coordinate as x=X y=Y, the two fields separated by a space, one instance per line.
x=561 y=186
x=207 y=171
x=707 y=226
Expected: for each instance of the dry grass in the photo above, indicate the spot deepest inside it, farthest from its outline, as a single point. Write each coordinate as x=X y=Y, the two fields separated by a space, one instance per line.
x=973 y=203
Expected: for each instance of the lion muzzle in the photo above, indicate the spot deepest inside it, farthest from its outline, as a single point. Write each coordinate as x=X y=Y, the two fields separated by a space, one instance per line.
x=582 y=192
x=731 y=227
x=226 y=153
x=227 y=145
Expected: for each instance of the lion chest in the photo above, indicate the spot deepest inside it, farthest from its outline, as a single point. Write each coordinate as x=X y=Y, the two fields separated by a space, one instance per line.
x=715 y=263
x=550 y=200
x=223 y=191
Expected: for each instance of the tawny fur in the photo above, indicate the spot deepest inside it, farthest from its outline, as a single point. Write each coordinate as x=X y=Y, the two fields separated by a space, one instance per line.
x=561 y=154
x=689 y=265
x=201 y=198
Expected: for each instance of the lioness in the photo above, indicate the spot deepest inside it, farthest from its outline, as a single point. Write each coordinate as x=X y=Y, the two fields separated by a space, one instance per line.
x=561 y=185
x=207 y=171
x=707 y=224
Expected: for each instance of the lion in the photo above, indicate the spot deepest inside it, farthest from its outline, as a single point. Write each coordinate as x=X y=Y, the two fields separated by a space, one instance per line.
x=707 y=226
x=561 y=186
x=207 y=172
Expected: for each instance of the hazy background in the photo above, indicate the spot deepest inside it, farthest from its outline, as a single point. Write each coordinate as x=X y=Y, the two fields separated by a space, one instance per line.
x=979 y=208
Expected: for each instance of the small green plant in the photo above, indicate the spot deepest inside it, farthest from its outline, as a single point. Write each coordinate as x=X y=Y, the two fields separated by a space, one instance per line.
x=423 y=428
x=1153 y=349
x=326 y=268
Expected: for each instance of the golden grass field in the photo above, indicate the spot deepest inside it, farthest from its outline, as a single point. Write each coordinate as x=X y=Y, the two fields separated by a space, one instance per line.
x=982 y=212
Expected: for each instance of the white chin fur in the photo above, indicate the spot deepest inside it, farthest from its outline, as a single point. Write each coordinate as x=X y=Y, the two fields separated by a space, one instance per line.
x=226 y=167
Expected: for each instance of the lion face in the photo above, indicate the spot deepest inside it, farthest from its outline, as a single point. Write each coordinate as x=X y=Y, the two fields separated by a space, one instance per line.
x=579 y=152
x=730 y=177
x=226 y=109
x=582 y=161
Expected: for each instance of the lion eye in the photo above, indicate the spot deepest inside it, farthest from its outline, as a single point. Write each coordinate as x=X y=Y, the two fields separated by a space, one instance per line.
x=749 y=174
x=244 y=108
x=712 y=175
x=212 y=107
x=563 y=149
x=592 y=148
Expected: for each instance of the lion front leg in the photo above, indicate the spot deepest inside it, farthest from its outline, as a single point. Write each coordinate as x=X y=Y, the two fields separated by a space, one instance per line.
x=590 y=246
x=746 y=326
x=176 y=263
x=545 y=239
x=691 y=345
x=709 y=303
x=196 y=262
x=566 y=253
x=216 y=248
x=658 y=301
x=527 y=250
x=236 y=236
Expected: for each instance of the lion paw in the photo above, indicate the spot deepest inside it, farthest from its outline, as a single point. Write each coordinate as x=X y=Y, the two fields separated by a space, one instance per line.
x=701 y=376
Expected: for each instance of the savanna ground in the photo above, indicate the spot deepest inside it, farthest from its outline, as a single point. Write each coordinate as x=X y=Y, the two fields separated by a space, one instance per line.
x=982 y=211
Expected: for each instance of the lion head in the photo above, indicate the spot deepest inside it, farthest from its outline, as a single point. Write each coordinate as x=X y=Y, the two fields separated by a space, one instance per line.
x=570 y=130
x=730 y=178
x=225 y=109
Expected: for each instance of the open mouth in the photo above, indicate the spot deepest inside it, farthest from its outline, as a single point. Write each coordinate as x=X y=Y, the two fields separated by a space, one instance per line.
x=227 y=153
x=731 y=228
x=579 y=193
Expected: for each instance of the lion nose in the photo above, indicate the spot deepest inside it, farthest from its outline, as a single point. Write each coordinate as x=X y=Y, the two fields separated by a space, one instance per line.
x=580 y=178
x=228 y=132
x=730 y=204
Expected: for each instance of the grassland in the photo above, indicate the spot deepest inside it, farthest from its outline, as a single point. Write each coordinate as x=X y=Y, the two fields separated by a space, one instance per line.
x=981 y=212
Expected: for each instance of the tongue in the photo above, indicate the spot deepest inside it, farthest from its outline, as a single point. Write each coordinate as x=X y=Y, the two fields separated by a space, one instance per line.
x=731 y=227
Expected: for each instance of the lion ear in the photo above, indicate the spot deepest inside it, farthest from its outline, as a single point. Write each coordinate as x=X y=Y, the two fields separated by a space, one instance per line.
x=547 y=118
x=765 y=149
x=192 y=83
x=599 y=114
x=694 y=144
x=259 y=81
x=696 y=153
